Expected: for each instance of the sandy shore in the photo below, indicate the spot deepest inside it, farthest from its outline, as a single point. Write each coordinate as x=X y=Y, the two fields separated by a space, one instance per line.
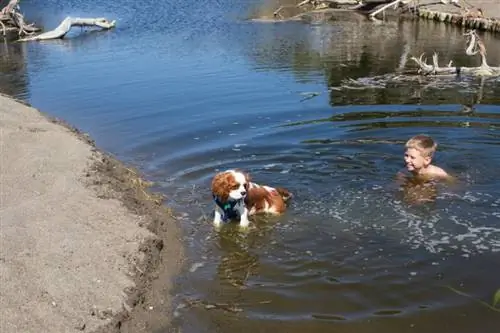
x=82 y=241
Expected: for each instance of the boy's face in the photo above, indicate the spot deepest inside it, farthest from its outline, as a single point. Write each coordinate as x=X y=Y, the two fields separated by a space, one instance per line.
x=415 y=161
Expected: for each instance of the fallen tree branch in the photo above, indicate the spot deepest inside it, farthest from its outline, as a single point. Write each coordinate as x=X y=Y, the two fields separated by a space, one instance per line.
x=12 y=19
x=66 y=26
x=475 y=46
x=316 y=5
x=383 y=8
x=435 y=69
x=11 y=6
x=4 y=28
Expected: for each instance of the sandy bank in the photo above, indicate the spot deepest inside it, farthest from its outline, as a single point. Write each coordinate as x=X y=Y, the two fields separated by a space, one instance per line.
x=82 y=242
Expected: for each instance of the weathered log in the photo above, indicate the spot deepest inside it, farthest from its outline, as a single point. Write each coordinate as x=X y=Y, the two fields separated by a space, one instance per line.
x=66 y=26
x=435 y=69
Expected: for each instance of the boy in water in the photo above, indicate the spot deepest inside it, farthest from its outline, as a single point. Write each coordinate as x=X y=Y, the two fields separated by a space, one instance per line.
x=418 y=157
x=420 y=187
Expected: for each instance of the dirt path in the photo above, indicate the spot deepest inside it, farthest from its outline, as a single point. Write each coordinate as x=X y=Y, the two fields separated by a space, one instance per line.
x=81 y=239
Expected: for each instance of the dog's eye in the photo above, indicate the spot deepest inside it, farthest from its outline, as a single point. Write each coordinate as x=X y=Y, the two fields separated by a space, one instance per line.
x=235 y=187
x=245 y=186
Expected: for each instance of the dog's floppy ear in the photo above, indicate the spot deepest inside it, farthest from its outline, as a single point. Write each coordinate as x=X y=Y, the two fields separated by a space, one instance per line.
x=221 y=185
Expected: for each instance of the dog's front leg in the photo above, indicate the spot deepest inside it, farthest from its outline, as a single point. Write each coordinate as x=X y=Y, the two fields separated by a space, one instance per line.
x=217 y=218
x=244 y=222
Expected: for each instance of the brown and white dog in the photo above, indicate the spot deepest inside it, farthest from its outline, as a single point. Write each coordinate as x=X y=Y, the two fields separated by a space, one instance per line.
x=236 y=197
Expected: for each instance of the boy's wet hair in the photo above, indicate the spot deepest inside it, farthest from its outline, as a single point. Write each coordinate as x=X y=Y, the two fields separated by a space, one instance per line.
x=423 y=143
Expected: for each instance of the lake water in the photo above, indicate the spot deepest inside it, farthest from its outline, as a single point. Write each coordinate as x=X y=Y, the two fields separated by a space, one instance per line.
x=182 y=89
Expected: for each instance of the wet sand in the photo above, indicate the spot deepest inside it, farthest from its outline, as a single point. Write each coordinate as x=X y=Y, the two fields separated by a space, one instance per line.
x=84 y=246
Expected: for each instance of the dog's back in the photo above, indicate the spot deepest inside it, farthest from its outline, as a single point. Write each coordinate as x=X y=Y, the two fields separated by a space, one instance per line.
x=266 y=199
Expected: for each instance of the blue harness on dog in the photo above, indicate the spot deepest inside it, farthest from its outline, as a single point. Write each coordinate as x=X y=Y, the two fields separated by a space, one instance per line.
x=227 y=208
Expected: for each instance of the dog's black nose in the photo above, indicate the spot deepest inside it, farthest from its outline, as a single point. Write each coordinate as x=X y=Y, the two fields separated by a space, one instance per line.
x=243 y=192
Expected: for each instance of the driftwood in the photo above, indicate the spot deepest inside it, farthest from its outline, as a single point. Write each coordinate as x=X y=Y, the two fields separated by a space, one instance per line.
x=475 y=46
x=12 y=20
x=314 y=5
x=367 y=7
x=409 y=5
x=66 y=26
x=393 y=4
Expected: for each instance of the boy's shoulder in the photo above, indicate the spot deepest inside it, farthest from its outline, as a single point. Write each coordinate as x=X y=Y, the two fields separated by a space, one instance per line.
x=437 y=172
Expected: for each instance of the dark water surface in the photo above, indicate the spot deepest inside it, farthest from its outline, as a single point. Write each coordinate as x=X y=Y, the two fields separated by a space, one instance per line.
x=185 y=88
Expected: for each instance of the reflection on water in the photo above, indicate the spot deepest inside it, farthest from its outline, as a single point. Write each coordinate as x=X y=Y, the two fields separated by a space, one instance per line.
x=184 y=89
x=13 y=78
x=360 y=60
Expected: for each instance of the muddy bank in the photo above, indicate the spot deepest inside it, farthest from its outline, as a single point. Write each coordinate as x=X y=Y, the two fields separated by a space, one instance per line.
x=84 y=245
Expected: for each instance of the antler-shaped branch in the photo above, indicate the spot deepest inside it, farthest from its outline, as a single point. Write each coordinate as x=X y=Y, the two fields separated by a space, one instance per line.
x=476 y=46
x=422 y=63
x=471 y=37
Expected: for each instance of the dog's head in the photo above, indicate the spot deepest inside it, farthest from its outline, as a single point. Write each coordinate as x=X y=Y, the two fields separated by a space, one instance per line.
x=230 y=185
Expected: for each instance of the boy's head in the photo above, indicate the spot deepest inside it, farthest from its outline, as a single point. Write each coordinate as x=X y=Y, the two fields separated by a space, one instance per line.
x=419 y=152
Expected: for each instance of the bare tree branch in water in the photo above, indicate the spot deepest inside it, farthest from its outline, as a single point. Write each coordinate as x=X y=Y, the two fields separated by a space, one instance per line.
x=66 y=26
x=393 y=4
x=313 y=6
x=475 y=46
x=12 y=20
x=369 y=7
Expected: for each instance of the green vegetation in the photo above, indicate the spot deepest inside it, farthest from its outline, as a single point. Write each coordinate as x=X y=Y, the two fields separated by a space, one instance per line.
x=496 y=299
x=493 y=306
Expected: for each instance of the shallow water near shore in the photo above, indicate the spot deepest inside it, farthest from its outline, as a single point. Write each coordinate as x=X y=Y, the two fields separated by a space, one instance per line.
x=185 y=89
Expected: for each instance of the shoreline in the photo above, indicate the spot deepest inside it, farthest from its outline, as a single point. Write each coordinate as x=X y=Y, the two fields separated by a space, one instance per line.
x=465 y=15
x=85 y=246
x=450 y=14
